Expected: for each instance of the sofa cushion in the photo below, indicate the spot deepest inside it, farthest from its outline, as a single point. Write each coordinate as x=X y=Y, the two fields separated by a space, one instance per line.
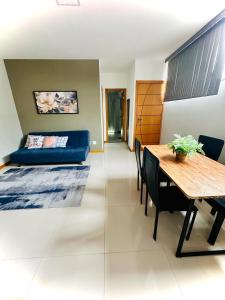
x=50 y=142
x=61 y=141
x=76 y=138
x=35 y=142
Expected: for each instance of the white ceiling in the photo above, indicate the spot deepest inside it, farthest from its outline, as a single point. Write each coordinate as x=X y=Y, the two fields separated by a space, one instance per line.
x=116 y=31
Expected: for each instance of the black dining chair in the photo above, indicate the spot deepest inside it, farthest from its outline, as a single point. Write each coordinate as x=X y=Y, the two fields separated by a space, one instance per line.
x=212 y=148
x=140 y=174
x=219 y=206
x=137 y=149
x=164 y=198
x=140 y=171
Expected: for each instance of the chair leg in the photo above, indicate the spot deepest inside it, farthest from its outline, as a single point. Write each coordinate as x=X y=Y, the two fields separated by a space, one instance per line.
x=138 y=184
x=146 y=201
x=156 y=224
x=213 y=211
x=216 y=228
x=191 y=225
x=142 y=183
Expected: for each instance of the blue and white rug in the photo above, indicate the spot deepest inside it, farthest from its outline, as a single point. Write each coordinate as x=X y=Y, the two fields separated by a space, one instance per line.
x=42 y=187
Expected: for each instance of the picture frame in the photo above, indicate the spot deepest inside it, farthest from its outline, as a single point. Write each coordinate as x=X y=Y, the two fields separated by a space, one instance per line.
x=56 y=102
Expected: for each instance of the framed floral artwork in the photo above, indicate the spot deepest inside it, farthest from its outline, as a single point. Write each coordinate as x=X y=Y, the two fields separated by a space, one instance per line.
x=56 y=102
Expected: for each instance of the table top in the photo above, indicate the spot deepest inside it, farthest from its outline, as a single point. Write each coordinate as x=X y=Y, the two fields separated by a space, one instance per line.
x=199 y=177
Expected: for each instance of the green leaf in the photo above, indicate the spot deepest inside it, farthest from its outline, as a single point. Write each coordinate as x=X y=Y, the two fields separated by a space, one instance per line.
x=186 y=145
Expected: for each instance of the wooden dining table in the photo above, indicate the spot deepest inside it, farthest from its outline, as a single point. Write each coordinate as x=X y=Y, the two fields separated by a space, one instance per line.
x=198 y=177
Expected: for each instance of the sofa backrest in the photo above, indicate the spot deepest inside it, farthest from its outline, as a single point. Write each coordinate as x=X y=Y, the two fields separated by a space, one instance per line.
x=77 y=138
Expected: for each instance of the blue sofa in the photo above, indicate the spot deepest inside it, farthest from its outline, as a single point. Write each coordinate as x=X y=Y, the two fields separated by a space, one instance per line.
x=76 y=150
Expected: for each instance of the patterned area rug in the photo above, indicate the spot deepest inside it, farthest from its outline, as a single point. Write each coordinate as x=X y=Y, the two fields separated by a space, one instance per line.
x=42 y=187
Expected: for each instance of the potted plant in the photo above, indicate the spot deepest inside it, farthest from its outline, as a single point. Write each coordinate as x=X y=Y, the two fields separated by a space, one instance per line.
x=186 y=145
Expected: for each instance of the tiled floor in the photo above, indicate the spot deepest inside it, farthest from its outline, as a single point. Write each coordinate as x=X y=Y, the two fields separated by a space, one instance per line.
x=104 y=249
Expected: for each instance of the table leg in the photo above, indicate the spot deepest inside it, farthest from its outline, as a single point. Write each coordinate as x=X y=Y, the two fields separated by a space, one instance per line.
x=216 y=228
x=179 y=252
x=184 y=229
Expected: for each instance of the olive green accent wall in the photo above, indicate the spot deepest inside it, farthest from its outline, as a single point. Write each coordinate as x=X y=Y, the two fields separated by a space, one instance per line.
x=29 y=75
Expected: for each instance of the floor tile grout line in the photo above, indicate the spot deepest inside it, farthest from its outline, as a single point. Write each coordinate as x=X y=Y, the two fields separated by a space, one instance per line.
x=79 y=254
x=20 y=258
x=32 y=279
x=173 y=274
x=132 y=251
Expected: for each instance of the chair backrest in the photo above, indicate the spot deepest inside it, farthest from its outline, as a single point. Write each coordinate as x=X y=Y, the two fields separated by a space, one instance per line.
x=151 y=171
x=137 y=147
x=212 y=146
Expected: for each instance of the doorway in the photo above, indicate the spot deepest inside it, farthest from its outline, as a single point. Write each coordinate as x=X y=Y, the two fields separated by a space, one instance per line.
x=115 y=115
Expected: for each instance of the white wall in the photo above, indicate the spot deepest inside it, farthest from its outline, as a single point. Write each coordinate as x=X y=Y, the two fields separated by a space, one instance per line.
x=101 y=104
x=112 y=80
x=150 y=68
x=131 y=96
x=122 y=79
x=10 y=130
x=205 y=115
x=143 y=68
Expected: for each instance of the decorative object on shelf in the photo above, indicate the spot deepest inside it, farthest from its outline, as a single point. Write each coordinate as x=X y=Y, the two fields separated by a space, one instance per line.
x=56 y=102
x=186 y=145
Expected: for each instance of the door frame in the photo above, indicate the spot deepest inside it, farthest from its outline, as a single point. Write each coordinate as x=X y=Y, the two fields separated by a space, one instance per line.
x=127 y=119
x=124 y=111
x=135 y=107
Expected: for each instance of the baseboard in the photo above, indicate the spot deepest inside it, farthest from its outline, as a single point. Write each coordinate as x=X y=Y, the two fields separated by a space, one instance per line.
x=4 y=165
x=97 y=151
